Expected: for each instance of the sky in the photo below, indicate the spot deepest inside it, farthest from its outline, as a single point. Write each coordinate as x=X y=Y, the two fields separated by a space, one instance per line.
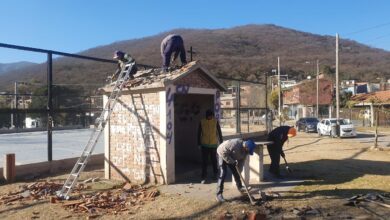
x=75 y=25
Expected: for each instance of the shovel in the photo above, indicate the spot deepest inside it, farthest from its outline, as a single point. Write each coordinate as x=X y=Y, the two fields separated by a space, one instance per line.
x=246 y=188
x=287 y=167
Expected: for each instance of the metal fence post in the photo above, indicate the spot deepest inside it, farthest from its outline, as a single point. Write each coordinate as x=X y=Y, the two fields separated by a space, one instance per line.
x=248 y=119
x=238 y=114
x=49 y=106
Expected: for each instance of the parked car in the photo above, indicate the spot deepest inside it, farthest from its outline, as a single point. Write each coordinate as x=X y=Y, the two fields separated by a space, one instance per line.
x=307 y=124
x=347 y=129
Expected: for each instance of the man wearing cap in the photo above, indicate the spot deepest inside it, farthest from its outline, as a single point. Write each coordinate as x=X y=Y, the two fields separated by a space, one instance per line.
x=123 y=59
x=278 y=136
x=209 y=135
x=232 y=153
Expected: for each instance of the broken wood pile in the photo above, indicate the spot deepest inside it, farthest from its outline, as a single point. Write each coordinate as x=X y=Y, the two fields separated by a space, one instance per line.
x=113 y=201
x=34 y=191
x=382 y=200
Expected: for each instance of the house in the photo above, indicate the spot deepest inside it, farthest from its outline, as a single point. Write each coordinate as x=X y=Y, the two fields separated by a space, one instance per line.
x=301 y=99
x=368 y=101
x=152 y=132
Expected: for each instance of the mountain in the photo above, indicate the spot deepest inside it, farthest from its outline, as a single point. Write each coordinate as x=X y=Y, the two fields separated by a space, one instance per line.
x=8 y=67
x=245 y=52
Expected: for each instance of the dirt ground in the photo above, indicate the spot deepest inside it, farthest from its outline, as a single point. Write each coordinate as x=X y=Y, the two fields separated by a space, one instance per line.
x=329 y=170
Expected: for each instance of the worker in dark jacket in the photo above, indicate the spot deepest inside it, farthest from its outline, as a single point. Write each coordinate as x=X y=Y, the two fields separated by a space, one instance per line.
x=123 y=59
x=172 y=43
x=209 y=136
x=232 y=153
x=278 y=136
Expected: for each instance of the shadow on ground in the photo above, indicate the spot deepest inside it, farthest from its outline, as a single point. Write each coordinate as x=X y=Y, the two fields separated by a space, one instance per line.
x=333 y=172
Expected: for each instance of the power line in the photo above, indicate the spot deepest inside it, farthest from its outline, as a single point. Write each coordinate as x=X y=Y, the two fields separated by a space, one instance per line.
x=366 y=29
x=377 y=38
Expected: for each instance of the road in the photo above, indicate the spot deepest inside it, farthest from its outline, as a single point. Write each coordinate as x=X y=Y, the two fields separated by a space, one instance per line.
x=31 y=147
x=368 y=137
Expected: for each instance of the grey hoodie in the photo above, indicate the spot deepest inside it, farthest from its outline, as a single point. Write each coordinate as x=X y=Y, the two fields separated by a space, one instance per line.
x=232 y=150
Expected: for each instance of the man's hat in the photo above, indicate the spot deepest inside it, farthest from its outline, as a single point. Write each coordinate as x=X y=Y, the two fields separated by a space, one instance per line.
x=292 y=132
x=250 y=145
x=118 y=54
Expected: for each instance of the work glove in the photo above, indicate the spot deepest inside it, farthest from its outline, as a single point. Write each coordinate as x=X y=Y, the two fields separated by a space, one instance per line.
x=235 y=163
x=282 y=154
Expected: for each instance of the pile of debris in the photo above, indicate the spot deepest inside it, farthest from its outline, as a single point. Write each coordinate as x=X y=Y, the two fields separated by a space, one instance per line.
x=34 y=191
x=112 y=202
x=305 y=211
x=382 y=200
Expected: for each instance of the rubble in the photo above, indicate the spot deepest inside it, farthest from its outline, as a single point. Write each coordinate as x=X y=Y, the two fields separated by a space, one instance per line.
x=382 y=200
x=34 y=191
x=111 y=201
x=305 y=211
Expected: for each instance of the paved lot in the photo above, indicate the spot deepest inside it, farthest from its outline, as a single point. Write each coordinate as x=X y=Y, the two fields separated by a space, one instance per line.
x=31 y=147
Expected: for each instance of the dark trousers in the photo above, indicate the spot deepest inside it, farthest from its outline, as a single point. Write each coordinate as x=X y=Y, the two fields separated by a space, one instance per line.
x=274 y=152
x=174 y=45
x=206 y=153
x=222 y=174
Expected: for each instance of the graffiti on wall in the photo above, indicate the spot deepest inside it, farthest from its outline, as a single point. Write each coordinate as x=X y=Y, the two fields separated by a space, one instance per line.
x=217 y=105
x=187 y=111
x=170 y=95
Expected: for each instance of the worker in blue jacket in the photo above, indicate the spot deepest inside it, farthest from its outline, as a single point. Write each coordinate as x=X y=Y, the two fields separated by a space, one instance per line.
x=278 y=136
x=172 y=43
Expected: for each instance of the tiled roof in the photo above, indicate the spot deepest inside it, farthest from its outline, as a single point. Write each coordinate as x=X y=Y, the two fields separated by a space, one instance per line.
x=155 y=78
x=382 y=97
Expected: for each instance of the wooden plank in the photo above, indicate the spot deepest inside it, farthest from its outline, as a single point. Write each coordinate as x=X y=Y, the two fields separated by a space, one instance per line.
x=73 y=203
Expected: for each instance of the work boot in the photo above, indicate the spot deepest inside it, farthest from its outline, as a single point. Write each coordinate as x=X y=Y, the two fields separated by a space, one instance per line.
x=220 y=198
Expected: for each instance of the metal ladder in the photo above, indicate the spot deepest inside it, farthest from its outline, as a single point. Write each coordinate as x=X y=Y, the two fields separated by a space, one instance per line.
x=99 y=125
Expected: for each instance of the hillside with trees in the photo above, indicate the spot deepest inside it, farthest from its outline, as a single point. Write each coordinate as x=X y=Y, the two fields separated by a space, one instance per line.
x=245 y=52
x=8 y=67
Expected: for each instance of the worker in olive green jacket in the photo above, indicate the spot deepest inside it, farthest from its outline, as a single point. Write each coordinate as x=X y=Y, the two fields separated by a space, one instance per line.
x=209 y=136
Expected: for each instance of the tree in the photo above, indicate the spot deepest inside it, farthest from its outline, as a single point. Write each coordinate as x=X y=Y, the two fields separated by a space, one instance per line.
x=376 y=101
x=328 y=71
x=344 y=99
x=274 y=98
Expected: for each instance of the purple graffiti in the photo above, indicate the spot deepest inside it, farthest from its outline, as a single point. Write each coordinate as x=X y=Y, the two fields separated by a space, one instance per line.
x=217 y=105
x=169 y=97
x=182 y=89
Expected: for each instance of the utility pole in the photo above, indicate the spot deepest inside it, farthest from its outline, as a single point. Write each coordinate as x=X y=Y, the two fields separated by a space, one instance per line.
x=280 y=94
x=337 y=79
x=238 y=108
x=318 y=72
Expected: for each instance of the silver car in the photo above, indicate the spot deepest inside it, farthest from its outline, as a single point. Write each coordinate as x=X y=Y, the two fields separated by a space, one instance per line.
x=324 y=127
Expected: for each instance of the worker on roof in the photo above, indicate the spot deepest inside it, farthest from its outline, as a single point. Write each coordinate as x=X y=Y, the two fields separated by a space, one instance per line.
x=123 y=59
x=172 y=43
x=232 y=153
x=209 y=135
x=278 y=136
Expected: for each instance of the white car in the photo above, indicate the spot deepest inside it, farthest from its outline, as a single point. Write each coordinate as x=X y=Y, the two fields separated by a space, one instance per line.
x=324 y=127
